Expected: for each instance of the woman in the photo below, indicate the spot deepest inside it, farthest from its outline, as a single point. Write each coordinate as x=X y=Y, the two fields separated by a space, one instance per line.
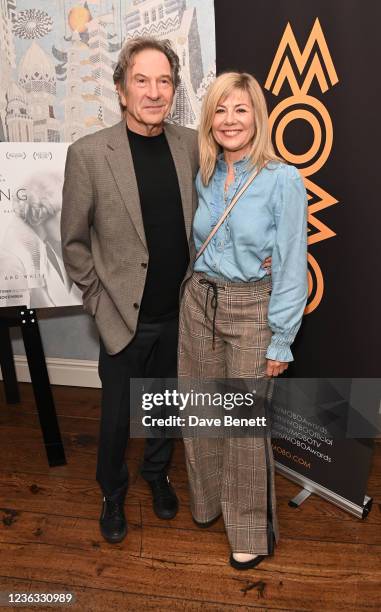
x=235 y=321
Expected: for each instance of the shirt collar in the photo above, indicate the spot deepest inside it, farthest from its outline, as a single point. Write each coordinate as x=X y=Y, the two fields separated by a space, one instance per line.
x=240 y=166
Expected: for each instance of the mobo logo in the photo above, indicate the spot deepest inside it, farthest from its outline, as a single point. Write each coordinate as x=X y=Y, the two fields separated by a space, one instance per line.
x=315 y=62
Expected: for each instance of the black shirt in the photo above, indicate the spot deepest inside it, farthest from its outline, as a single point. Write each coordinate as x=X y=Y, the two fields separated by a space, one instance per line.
x=164 y=226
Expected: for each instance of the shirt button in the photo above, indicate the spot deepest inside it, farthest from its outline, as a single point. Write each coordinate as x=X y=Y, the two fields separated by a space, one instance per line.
x=136 y=306
x=144 y=265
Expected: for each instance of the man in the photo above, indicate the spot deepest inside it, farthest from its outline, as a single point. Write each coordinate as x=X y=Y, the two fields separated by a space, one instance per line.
x=128 y=203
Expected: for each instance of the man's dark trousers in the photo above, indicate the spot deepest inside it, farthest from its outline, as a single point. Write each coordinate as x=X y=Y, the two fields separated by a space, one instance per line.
x=151 y=354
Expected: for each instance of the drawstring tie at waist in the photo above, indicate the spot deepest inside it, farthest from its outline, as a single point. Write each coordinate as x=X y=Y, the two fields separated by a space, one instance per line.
x=213 y=302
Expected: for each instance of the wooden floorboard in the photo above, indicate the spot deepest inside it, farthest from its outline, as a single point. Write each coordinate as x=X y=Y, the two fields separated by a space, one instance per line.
x=326 y=560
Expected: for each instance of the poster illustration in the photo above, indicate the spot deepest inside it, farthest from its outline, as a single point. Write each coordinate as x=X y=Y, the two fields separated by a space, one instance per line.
x=58 y=58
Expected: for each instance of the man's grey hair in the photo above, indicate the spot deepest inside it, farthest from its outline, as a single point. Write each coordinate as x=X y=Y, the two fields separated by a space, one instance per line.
x=136 y=45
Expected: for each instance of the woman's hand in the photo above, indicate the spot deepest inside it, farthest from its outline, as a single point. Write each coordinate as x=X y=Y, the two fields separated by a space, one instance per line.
x=266 y=264
x=274 y=368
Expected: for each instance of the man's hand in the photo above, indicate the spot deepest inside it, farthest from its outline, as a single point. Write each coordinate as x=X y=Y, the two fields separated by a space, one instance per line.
x=266 y=264
x=274 y=368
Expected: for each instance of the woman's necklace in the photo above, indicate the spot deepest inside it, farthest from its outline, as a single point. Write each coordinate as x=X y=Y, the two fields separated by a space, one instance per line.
x=227 y=184
x=226 y=189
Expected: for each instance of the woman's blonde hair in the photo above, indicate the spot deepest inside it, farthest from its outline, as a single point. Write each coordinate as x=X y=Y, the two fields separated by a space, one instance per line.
x=262 y=150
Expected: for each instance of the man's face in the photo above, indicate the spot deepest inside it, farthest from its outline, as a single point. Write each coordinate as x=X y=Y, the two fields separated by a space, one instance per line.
x=149 y=92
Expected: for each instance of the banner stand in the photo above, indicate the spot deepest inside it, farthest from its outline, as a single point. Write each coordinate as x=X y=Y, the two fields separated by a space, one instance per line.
x=26 y=319
x=7 y=364
x=310 y=487
x=301 y=497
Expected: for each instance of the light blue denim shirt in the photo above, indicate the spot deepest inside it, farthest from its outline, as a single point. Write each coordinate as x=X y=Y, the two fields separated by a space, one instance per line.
x=270 y=218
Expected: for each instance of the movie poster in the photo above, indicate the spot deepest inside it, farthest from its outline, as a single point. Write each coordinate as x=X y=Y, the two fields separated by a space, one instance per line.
x=32 y=272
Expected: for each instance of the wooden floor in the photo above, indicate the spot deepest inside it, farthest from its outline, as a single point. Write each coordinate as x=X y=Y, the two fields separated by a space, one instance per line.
x=327 y=560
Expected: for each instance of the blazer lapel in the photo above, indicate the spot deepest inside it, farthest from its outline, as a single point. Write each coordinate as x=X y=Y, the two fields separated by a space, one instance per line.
x=122 y=167
x=184 y=173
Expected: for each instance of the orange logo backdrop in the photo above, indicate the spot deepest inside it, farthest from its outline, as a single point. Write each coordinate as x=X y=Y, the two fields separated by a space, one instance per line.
x=289 y=65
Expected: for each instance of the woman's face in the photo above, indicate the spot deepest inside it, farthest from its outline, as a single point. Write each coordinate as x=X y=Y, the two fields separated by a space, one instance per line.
x=233 y=123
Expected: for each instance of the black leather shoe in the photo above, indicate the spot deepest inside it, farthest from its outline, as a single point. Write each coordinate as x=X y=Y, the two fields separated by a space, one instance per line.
x=165 y=502
x=112 y=521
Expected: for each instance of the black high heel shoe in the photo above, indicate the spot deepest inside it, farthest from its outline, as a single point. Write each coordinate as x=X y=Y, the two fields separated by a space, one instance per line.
x=245 y=565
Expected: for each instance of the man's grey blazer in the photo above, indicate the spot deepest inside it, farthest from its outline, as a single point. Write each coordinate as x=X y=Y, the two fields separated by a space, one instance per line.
x=103 y=241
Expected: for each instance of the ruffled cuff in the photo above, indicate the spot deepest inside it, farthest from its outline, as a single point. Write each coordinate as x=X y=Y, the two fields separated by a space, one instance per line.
x=279 y=347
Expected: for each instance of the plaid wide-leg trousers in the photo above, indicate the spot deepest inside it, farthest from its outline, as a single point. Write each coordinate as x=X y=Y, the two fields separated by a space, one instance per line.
x=232 y=476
